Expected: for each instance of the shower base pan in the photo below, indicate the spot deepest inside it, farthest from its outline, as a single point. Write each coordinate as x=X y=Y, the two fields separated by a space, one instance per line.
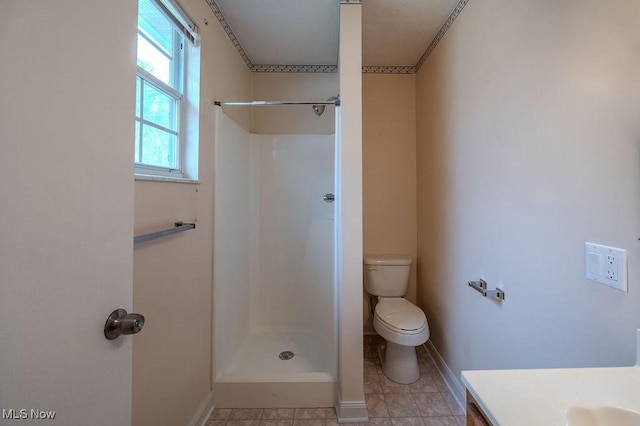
x=285 y=394
x=277 y=370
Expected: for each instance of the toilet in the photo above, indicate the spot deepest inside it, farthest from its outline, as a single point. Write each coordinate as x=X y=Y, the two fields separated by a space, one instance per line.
x=401 y=323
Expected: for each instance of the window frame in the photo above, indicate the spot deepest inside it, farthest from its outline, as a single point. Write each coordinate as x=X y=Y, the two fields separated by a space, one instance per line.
x=178 y=73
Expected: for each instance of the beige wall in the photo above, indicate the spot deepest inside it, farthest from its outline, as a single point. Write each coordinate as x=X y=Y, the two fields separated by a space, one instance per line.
x=528 y=146
x=173 y=276
x=296 y=87
x=389 y=170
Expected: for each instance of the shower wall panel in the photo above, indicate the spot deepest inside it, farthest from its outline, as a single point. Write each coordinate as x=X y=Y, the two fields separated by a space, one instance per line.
x=294 y=286
x=232 y=242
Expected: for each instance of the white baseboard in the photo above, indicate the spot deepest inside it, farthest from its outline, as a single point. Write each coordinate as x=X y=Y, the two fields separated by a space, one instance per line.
x=203 y=412
x=351 y=411
x=455 y=386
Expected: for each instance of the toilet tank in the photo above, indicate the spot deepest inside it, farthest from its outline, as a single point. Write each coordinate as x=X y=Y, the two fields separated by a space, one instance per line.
x=387 y=275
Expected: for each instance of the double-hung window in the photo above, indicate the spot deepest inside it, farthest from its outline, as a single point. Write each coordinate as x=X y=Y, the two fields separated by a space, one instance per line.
x=160 y=87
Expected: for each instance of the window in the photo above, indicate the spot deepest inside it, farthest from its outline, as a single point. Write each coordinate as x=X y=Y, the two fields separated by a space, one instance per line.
x=164 y=32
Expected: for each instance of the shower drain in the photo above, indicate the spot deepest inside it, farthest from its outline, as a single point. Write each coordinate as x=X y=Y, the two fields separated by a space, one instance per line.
x=286 y=355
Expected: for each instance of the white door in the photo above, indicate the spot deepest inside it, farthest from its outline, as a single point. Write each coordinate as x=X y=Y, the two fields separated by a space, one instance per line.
x=67 y=84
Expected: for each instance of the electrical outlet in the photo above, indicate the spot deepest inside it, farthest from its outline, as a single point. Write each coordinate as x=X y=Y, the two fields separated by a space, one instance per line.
x=606 y=265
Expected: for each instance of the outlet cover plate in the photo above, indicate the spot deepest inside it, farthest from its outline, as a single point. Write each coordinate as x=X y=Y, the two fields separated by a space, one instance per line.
x=606 y=265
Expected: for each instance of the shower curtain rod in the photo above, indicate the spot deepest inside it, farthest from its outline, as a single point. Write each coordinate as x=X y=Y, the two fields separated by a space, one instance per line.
x=268 y=103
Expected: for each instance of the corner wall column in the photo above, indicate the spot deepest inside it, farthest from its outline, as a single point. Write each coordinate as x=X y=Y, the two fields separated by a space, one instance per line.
x=351 y=406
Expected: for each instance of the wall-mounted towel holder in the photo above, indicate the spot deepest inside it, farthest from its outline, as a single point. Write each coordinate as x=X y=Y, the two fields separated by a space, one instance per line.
x=481 y=287
x=178 y=227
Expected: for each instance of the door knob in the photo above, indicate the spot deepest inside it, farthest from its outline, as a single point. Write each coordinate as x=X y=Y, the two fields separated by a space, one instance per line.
x=329 y=198
x=119 y=322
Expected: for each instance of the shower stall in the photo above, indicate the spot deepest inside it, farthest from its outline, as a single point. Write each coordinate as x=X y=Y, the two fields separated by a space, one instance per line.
x=274 y=290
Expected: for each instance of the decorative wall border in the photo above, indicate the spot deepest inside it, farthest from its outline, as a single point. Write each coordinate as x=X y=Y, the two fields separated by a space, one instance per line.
x=461 y=4
x=334 y=68
x=414 y=69
x=295 y=68
x=389 y=69
x=227 y=28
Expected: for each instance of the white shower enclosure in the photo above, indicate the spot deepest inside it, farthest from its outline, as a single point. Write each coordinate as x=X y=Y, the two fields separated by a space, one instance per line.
x=274 y=292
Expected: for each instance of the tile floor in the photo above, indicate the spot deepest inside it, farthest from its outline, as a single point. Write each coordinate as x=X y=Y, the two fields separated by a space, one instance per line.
x=426 y=402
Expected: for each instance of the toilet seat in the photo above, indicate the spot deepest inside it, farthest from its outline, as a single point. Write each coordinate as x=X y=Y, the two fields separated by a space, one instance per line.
x=401 y=315
x=399 y=321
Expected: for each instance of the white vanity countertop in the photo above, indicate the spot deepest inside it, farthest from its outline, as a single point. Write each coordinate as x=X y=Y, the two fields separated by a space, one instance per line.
x=541 y=397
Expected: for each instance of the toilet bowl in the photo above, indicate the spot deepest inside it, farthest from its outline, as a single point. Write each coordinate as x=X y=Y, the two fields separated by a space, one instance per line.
x=401 y=323
x=404 y=326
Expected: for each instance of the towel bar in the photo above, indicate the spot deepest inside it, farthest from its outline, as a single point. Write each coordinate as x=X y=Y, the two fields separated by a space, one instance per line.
x=179 y=227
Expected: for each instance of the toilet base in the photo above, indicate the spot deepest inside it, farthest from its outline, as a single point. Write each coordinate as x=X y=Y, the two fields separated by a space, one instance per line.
x=399 y=363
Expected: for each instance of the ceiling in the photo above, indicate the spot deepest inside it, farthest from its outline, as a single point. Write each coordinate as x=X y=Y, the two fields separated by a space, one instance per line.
x=302 y=35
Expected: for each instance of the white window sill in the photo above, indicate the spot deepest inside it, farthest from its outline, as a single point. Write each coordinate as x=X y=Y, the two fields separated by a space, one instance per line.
x=165 y=179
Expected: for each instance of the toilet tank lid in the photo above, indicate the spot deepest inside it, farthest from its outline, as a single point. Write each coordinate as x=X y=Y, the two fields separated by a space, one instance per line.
x=387 y=259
